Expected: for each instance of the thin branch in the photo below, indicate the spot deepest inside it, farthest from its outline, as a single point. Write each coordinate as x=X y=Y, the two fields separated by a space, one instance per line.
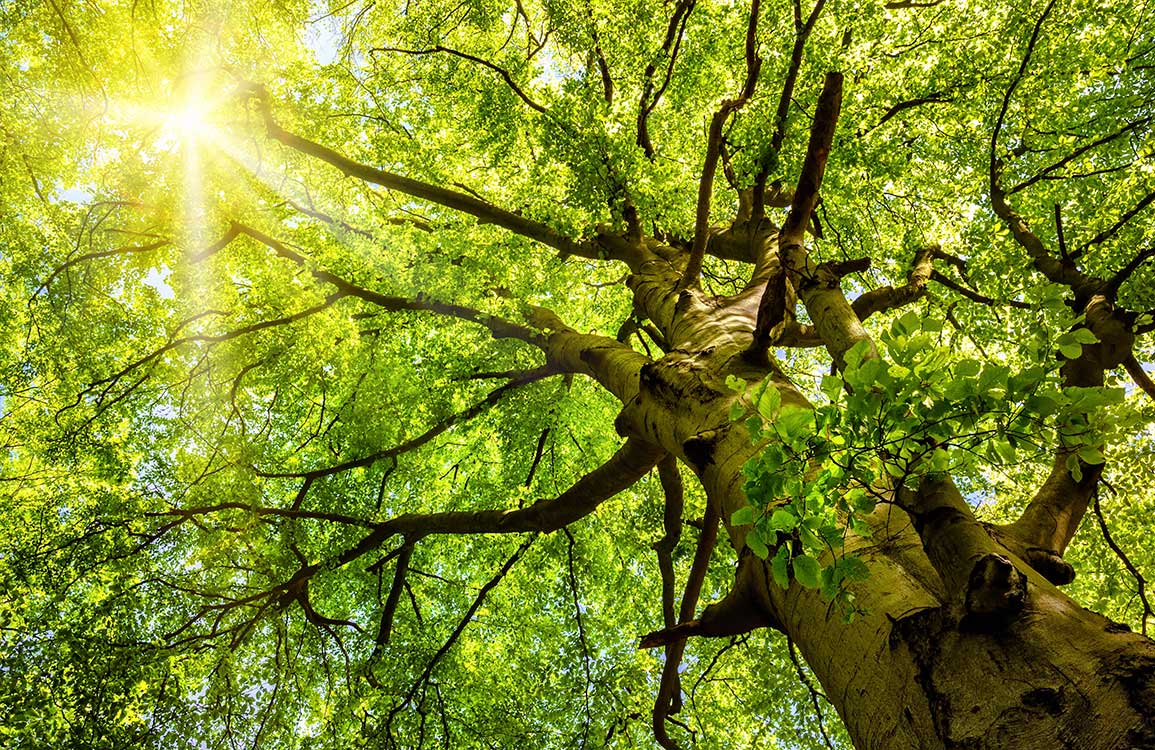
x=814 y=693
x=204 y=510
x=1140 y=582
x=500 y=328
x=973 y=295
x=331 y=221
x=1124 y=273
x=577 y=608
x=676 y=646
x=537 y=454
x=127 y=250
x=1044 y=173
x=675 y=30
x=629 y=464
x=414 y=443
x=599 y=56
x=472 y=58
x=1056 y=271
x=1112 y=230
x=465 y=620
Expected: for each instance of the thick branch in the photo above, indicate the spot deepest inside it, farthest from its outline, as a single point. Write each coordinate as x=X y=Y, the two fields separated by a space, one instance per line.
x=1049 y=522
x=485 y=212
x=713 y=149
x=770 y=157
x=675 y=647
x=889 y=297
x=1057 y=271
x=1139 y=375
x=629 y=464
x=385 y=628
x=818 y=287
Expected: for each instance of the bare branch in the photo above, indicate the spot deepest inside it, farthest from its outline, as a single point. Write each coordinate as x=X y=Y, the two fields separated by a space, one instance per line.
x=1112 y=230
x=889 y=297
x=713 y=149
x=675 y=30
x=483 y=211
x=1124 y=273
x=573 y=587
x=973 y=295
x=126 y=250
x=499 y=327
x=676 y=646
x=629 y=464
x=770 y=157
x=814 y=692
x=1139 y=375
x=472 y=58
x=537 y=453
x=1140 y=582
x=465 y=620
x=603 y=66
x=414 y=443
x=385 y=629
x=204 y=510
x=1046 y=171
x=791 y=252
x=1060 y=272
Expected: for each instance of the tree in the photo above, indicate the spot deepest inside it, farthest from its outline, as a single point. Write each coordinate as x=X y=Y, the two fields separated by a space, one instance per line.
x=379 y=374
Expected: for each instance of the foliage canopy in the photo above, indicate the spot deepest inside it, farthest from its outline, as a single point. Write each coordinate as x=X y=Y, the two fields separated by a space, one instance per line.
x=276 y=275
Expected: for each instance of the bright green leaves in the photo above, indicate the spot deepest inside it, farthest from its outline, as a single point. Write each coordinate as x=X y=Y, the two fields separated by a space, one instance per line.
x=743 y=516
x=1071 y=343
x=924 y=408
x=780 y=567
x=807 y=571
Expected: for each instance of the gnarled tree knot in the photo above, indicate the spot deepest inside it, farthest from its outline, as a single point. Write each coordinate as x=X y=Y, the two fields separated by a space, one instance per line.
x=997 y=590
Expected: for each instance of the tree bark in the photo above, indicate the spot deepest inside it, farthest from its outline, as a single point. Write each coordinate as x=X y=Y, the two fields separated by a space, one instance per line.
x=928 y=665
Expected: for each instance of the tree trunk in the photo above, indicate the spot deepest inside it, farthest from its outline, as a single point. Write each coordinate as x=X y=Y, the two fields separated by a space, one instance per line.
x=918 y=670
x=922 y=668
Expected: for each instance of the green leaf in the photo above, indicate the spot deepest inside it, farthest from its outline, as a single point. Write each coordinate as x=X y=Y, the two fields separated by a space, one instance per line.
x=832 y=386
x=807 y=571
x=1091 y=455
x=778 y=567
x=855 y=354
x=769 y=402
x=743 y=516
x=968 y=368
x=795 y=423
x=853 y=568
x=1074 y=467
x=756 y=544
x=861 y=527
x=1084 y=336
x=1005 y=451
x=783 y=520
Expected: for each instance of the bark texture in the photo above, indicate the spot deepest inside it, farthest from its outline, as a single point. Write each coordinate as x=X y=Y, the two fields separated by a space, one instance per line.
x=963 y=645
